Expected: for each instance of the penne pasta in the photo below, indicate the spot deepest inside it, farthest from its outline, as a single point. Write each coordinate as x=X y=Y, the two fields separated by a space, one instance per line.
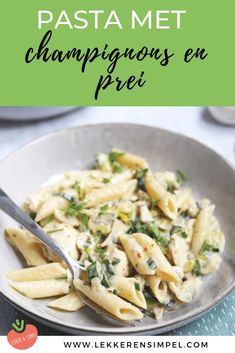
x=128 y=288
x=42 y=289
x=66 y=236
x=61 y=217
x=146 y=256
x=27 y=245
x=158 y=312
x=159 y=288
x=201 y=228
x=123 y=266
x=185 y=202
x=167 y=179
x=69 y=302
x=118 y=228
x=145 y=214
x=121 y=177
x=82 y=175
x=179 y=250
x=110 y=302
x=165 y=200
x=37 y=273
x=49 y=205
x=131 y=160
x=185 y=291
x=111 y=193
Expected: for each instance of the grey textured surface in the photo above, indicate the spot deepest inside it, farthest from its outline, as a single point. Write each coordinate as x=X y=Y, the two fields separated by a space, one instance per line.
x=195 y=122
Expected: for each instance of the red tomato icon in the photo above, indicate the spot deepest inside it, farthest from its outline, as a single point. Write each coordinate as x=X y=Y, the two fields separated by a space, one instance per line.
x=22 y=336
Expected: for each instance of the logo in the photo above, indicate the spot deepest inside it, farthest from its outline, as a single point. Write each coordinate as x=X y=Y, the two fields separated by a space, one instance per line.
x=22 y=336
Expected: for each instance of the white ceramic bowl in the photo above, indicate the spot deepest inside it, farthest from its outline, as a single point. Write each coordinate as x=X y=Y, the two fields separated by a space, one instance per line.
x=209 y=174
x=31 y=113
x=225 y=115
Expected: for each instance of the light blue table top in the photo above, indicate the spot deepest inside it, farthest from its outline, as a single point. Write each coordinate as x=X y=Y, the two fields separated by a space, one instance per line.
x=220 y=321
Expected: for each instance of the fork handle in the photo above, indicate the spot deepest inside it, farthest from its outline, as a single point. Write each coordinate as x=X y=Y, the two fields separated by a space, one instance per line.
x=14 y=211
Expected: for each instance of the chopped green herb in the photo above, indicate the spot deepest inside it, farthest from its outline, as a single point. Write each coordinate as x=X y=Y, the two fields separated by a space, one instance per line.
x=181 y=177
x=179 y=231
x=175 y=229
x=104 y=208
x=151 y=263
x=87 y=250
x=140 y=184
x=183 y=235
x=153 y=203
x=100 y=251
x=149 y=297
x=116 y=261
x=185 y=214
x=32 y=215
x=137 y=227
x=151 y=230
x=117 y=168
x=171 y=188
x=108 y=266
x=76 y=185
x=46 y=220
x=137 y=286
x=162 y=238
x=106 y=180
x=81 y=193
x=90 y=259
x=113 y=156
x=99 y=237
x=206 y=247
x=113 y=159
x=74 y=209
x=92 y=271
x=105 y=282
x=139 y=175
x=55 y=230
x=83 y=219
x=163 y=249
x=115 y=291
x=125 y=218
x=197 y=268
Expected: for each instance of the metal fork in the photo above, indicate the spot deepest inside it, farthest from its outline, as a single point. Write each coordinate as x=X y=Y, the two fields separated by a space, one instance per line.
x=15 y=212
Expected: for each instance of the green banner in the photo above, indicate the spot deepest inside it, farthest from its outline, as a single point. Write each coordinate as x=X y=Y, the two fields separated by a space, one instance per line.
x=132 y=52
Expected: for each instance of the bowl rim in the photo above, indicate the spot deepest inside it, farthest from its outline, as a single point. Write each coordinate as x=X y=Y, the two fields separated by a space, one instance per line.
x=43 y=113
x=150 y=328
